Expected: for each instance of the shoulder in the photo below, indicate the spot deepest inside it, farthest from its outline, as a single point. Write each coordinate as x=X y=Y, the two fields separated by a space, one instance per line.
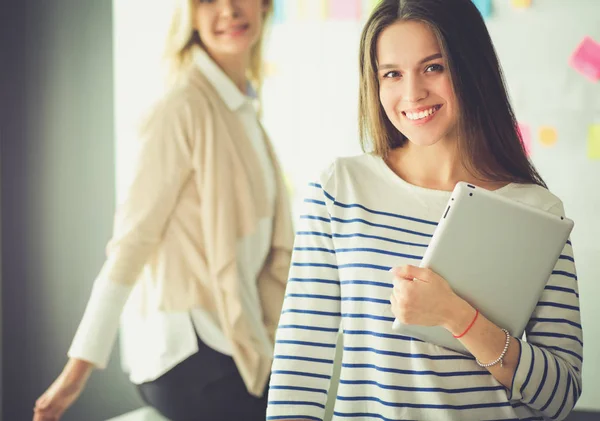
x=185 y=101
x=537 y=196
x=349 y=173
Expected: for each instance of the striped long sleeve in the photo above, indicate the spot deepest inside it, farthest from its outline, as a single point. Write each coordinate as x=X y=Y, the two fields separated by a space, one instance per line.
x=310 y=319
x=548 y=376
x=356 y=224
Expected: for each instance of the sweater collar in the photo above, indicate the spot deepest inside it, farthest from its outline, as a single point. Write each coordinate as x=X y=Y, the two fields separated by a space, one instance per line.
x=224 y=86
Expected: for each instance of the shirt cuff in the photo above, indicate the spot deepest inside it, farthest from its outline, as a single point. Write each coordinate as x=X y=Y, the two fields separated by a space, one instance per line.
x=523 y=372
x=96 y=334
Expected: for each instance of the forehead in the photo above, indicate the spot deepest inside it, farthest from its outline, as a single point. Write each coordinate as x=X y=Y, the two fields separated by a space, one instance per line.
x=406 y=43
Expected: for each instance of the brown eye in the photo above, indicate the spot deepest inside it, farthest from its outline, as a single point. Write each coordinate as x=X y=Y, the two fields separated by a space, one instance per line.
x=434 y=68
x=391 y=74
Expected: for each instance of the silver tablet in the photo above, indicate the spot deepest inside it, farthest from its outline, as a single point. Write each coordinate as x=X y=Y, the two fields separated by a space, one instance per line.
x=497 y=254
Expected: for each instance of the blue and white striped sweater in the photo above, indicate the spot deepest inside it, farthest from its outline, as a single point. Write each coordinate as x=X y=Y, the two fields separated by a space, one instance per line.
x=358 y=222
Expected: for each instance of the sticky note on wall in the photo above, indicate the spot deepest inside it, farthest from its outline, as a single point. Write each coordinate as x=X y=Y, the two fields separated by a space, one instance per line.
x=279 y=11
x=586 y=59
x=345 y=9
x=369 y=6
x=521 y=4
x=548 y=135
x=525 y=135
x=594 y=142
x=485 y=7
x=311 y=9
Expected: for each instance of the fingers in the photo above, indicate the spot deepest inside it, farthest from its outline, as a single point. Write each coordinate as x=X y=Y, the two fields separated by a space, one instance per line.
x=43 y=416
x=43 y=401
x=48 y=414
x=47 y=408
x=411 y=273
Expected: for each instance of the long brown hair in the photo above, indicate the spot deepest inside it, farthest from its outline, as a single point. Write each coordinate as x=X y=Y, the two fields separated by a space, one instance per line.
x=489 y=142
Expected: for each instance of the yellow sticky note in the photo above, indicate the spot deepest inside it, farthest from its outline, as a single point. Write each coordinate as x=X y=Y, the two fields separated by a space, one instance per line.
x=370 y=6
x=521 y=4
x=594 y=142
x=311 y=9
x=548 y=135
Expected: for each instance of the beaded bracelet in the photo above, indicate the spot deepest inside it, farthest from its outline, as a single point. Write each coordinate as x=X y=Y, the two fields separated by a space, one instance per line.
x=500 y=359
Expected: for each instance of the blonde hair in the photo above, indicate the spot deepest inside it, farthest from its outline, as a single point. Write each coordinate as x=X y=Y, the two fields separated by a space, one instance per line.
x=182 y=38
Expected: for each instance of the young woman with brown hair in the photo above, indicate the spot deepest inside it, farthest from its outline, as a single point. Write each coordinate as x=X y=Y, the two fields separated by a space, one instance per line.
x=433 y=111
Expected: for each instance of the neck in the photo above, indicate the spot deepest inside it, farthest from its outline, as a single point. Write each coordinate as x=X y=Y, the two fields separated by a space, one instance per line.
x=235 y=67
x=436 y=167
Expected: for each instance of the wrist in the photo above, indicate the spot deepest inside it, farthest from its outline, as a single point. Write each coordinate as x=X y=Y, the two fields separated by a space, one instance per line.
x=460 y=317
x=77 y=370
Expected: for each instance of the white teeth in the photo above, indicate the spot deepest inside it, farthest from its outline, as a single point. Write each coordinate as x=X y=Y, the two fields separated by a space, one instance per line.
x=422 y=114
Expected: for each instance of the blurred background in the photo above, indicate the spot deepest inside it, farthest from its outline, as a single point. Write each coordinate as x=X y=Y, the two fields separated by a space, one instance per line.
x=76 y=74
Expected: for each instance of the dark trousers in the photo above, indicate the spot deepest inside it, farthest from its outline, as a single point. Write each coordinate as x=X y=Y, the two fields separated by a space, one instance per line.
x=205 y=387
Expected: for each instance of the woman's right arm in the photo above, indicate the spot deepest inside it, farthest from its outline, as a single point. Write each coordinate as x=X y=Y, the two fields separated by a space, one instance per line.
x=310 y=319
x=162 y=167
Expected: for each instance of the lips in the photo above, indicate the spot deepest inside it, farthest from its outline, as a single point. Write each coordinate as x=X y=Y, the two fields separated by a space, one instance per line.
x=233 y=30
x=421 y=113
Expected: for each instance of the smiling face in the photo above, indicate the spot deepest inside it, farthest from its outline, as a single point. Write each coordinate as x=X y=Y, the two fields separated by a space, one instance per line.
x=415 y=88
x=229 y=27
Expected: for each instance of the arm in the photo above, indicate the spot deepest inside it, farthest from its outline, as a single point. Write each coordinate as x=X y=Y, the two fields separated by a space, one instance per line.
x=161 y=167
x=548 y=374
x=309 y=323
x=543 y=372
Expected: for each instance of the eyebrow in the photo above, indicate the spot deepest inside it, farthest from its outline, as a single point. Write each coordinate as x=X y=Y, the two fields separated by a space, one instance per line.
x=425 y=60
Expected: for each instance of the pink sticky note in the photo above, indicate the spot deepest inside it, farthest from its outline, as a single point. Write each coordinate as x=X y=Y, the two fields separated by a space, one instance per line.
x=586 y=59
x=345 y=9
x=525 y=135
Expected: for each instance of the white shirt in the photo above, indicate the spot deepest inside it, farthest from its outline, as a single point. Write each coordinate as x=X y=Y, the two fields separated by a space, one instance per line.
x=154 y=343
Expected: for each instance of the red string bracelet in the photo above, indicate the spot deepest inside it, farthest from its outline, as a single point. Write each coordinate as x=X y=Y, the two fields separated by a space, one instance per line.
x=468 y=327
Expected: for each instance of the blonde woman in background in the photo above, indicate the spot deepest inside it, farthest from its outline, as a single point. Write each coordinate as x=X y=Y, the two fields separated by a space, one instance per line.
x=200 y=254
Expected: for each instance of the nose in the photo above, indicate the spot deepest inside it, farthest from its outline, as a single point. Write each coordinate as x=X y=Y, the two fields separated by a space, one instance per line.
x=229 y=8
x=414 y=89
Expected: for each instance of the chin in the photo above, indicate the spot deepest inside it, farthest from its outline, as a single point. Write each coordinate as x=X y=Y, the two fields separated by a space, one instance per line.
x=423 y=143
x=423 y=140
x=235 y=48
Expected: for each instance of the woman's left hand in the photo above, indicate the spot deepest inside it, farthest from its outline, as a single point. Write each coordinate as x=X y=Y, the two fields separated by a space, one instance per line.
x=422 y=297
